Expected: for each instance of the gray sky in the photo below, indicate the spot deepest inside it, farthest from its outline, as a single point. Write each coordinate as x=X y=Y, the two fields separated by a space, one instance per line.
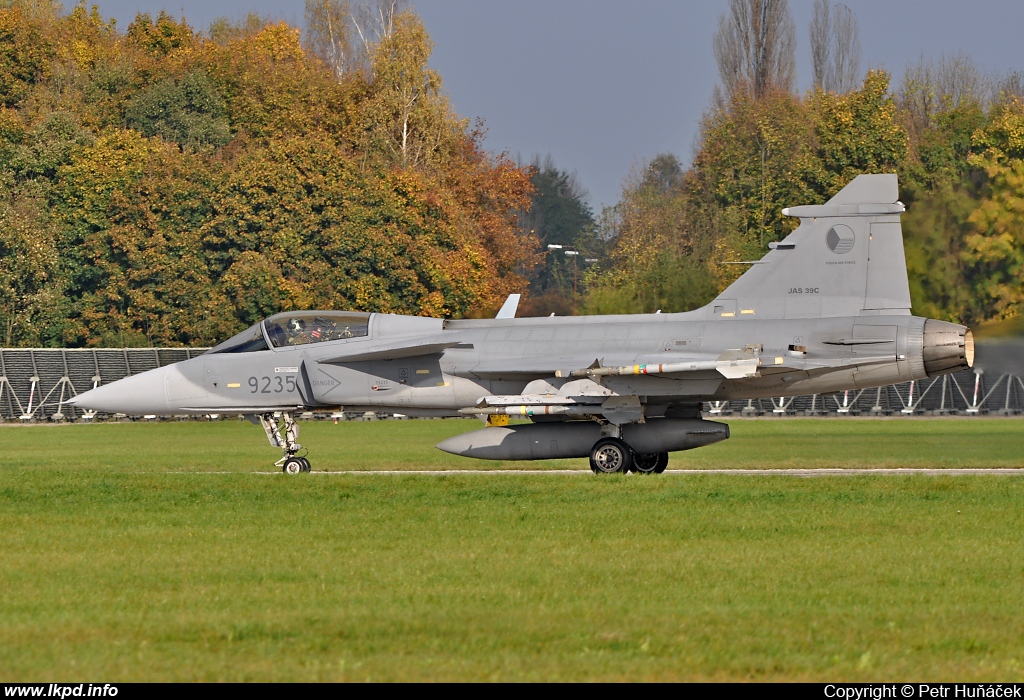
x=602 y=85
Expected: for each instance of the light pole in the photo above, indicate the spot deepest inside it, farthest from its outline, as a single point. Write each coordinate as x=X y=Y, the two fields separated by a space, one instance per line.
x=573 y=253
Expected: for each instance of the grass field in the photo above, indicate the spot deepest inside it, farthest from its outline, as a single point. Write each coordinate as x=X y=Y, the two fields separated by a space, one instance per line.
x=154 y=552
x=768 y=443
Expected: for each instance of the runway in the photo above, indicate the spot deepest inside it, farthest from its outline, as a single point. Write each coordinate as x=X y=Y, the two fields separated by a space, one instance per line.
x=802 y=473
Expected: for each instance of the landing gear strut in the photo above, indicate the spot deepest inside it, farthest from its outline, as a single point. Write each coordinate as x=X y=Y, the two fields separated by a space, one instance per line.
x=290 y=463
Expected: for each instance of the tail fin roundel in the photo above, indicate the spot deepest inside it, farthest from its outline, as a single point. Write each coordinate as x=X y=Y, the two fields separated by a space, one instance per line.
x=844 y=259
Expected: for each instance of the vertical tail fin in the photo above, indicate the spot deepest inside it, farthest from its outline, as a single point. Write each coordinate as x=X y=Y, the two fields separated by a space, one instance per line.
x=508 y=309
x=845 y=259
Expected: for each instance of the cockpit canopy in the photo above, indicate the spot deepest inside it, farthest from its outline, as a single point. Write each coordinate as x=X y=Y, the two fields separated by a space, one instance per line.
x=298 y=328
x=249 y=340
x=304 y=327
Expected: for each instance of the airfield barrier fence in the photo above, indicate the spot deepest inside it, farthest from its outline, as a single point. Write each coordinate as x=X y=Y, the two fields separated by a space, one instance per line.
x=962 y=393
x=34 y=383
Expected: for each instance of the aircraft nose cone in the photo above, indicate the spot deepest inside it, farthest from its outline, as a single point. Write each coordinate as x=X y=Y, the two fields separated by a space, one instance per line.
x=139 y=395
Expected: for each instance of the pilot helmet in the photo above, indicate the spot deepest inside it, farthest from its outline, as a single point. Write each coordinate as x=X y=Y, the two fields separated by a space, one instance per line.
x=295 y=325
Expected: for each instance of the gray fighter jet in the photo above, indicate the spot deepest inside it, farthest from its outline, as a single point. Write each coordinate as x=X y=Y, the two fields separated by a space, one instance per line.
x=827 y=309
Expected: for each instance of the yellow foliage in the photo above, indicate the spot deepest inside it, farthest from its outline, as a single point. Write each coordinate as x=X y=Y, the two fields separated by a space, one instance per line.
x=1003 y=136
x=280 y=42
x=726 y=250
x=995 y=251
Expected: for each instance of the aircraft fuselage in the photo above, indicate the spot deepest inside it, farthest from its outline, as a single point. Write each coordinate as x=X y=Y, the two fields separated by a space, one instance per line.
x=503 y=357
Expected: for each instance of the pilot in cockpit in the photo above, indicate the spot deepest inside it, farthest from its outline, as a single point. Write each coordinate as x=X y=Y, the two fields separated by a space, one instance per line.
x=297 y=332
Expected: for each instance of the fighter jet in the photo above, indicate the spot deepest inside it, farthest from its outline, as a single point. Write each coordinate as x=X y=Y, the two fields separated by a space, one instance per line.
x=825 y=310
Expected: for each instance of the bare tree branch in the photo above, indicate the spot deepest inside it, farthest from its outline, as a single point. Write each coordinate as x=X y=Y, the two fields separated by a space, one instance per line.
x=1009 y=87
x=845 y=50
x=821 y=43
x=755 y=47
x=835 y=48
x=328 y=35
x=375 y=20
x=930 y=87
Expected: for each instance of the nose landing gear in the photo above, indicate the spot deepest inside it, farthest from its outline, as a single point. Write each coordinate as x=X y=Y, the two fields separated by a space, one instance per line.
x=290 y=463
x=294 y=465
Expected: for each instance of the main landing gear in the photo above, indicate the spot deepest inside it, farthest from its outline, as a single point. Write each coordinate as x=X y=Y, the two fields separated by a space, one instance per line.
x=650 y=463
x=291 y=463
x=612 y=456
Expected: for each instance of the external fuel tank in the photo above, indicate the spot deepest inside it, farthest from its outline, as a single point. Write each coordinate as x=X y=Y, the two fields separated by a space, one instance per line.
x=569 y=439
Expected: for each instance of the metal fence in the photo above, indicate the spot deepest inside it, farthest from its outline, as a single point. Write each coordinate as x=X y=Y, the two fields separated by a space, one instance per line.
x=963 y=393
x=35 y=382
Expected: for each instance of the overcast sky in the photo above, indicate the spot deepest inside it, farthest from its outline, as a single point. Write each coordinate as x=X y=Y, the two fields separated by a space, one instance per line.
x=602 y=85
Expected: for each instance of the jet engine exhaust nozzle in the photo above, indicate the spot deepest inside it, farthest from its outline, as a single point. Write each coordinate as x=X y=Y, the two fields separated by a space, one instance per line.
x=947 y=347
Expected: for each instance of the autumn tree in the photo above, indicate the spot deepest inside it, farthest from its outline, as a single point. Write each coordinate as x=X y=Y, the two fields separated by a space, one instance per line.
x=269 y=86
x=223 y=31
x=751 y=163
x=941 y=104
x=32 y=300
x=162 y=36
x=995 y=248
x=25 y=55
x=31 y=292
x=930 y=88
x=756 y=156
x=854 y=133
x=160 y=186
x=187 y=111
x=935 y=230
x=131 y=210
x=164 y=186
x=491 y=190
x=328 y=34
x=407 y=120
x=656 y=259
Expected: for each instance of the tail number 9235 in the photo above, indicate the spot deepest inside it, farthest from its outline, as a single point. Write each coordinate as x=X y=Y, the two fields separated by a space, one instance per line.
x=271 y=385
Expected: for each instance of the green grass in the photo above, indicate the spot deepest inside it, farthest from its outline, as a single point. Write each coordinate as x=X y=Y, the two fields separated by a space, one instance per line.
x=769 y=443
x=122 y=560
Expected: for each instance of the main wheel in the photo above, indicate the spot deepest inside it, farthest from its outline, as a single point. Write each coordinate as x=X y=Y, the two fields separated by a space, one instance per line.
x=293 y=465
x=650 y=463
x=305 y=464
x=610 y=456
x=662 y=463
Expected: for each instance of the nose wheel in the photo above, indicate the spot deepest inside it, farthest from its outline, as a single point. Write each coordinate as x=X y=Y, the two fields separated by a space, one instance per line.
x=295 y=465
x=287 y=439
